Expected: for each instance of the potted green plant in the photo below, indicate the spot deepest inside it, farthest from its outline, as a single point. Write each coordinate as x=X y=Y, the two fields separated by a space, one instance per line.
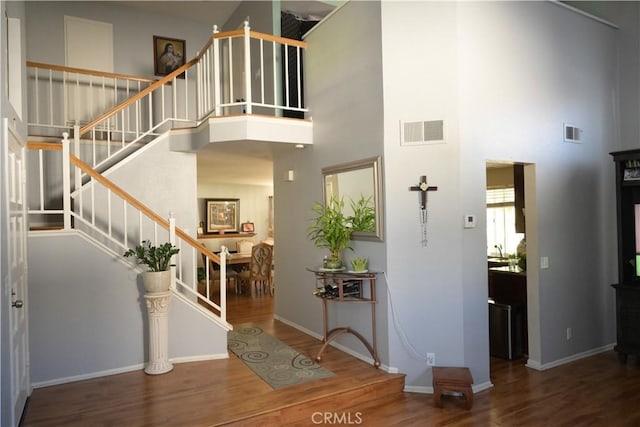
x=157 y=259
x=359 y=264
x=331 y=229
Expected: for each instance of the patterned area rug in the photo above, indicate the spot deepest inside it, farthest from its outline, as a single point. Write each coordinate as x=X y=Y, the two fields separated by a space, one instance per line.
x=275 y=362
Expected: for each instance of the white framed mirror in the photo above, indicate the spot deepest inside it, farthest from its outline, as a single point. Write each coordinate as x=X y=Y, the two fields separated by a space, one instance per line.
x=353 y=181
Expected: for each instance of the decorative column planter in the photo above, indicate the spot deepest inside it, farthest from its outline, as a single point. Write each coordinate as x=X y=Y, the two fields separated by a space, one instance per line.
x=157 y=283
x=158 y=309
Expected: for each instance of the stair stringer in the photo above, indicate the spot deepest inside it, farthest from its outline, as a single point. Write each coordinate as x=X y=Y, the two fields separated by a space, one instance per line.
x=163 y=180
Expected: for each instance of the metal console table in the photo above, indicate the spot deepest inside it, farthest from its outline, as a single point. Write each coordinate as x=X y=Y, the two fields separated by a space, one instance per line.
x=346 y=286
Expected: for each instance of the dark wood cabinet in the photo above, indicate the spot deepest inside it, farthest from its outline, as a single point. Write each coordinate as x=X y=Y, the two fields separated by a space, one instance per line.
x=509 y=287
x=627 y=320
x=627 y=166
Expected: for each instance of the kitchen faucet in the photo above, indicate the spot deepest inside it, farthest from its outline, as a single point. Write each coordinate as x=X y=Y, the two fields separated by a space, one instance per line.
x=499 y=248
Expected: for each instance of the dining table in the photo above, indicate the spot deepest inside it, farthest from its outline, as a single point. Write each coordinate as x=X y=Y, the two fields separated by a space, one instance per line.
x=239 y=260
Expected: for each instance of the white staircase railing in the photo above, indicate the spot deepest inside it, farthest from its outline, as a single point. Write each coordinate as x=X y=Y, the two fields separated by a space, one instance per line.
x=116 y=220
x=236 y=72
x=61 y=97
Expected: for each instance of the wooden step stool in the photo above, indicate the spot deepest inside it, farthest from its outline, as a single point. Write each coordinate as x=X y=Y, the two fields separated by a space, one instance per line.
x=452 y=379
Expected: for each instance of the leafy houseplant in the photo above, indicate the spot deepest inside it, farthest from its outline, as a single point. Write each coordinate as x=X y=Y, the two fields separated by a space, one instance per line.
x=157 y=259
x=331 y=229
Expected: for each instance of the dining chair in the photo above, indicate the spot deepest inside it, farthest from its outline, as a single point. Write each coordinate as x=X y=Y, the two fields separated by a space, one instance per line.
x=244 y=246
x=214 y=274
x=259 y=274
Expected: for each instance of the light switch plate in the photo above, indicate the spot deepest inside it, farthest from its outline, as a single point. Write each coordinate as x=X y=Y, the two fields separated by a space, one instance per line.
x=544 y=262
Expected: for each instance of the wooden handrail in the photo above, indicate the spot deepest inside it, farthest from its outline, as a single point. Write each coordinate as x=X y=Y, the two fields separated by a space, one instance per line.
x=34 y=145
x=231 y=33
x=95 y=73
x=277 y=39
x=144 y=92
x=179 y=71
x=140 y=206
x=264 y=36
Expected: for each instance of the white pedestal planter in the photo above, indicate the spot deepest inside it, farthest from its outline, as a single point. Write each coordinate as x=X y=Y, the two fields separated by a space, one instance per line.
x=158 y=310
x=156 y=281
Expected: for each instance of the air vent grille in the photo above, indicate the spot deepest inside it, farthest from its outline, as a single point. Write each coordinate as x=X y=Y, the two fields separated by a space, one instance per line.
x=422 y=132
x=571 y=133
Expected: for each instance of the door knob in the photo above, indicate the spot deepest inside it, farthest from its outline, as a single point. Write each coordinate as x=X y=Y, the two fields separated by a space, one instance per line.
x=17 y=303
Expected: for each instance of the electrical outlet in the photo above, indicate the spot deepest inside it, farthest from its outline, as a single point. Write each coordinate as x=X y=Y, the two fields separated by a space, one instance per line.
x=569 y=334
x=431 y=359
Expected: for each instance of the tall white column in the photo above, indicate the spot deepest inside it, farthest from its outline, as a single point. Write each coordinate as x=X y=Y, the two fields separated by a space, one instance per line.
x=158 y=310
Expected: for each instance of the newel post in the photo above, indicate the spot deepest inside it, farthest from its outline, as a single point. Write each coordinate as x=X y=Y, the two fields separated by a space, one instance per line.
x=76 y=152
x=217 y=84
x=66 y=182
x=223 y=279
x=247 y=67
x=172 y=239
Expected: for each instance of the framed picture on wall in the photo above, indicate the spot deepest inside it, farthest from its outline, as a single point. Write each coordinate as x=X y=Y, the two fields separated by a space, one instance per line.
x=222 y=215
x=247 y=227
x=168 y=55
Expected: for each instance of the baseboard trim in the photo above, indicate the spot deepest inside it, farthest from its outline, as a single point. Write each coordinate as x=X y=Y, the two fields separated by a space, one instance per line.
x=202 y=358
x=137 y=367
x=533 y=364
x=89 y=376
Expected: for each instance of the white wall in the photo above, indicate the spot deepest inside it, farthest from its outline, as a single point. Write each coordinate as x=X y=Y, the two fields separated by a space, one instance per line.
x=504 y=77
x=88 y=315
x=419 y=48
x=344 y=89
x=551 y=68
x=261 y=17
x=133 y=32
x=625 y=15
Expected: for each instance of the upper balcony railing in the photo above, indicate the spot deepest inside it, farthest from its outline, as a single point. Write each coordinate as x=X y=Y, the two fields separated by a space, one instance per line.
x=236 y=72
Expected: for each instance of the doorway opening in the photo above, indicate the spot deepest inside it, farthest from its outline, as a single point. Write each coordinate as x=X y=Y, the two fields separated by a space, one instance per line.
x=510 y=233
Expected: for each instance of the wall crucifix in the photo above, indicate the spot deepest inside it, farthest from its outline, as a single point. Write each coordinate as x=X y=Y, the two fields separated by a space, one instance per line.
x=423 y=188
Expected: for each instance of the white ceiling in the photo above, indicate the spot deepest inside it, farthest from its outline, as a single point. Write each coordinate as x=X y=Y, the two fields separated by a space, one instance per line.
x=237 y=162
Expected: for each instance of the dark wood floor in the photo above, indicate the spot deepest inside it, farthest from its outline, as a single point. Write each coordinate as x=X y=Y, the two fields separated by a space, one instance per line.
x=596 y=391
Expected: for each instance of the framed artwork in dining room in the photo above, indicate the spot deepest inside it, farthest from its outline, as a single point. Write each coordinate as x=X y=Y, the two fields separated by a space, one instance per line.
x=247 y=227
x=222 y=215
x=168 y=55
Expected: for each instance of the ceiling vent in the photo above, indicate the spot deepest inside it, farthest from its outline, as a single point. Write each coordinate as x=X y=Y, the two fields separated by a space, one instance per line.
x=572 y=133
x=423 y=132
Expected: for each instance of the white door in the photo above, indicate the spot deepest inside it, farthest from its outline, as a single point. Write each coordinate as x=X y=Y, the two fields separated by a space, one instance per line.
x=88 y=45
x=15 y=184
